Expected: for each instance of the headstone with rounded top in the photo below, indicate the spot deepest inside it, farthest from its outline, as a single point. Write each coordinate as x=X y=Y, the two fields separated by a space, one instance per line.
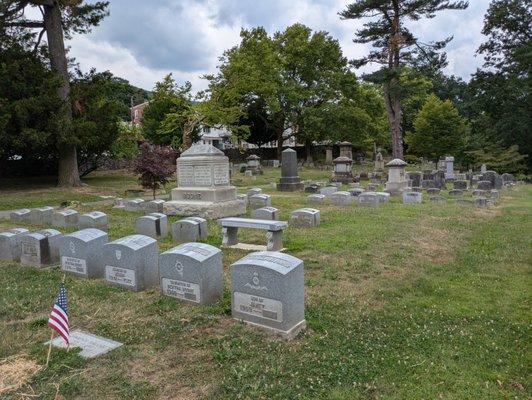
x=455 y=192
x=35 y=250
x=484 y=185
x=383 y=197
x=259 y=201
x=154 y=225
x=341 y=198
x=93 y=219
x=131 y=262
x=268 y=291
x=254 y=191
x=412 y=198
x=479 y=193
x=316 y=199
x=305 y=218
x=154 y=206
x=460 y=185
x=433 y=191
x=41 y=215
x=22 y=215
x=65 y=218
x=268 y=213
x=203 y=226
x=437 y=199
x=192 y=272
x=327 y=191
x=289 y=180
x=54 y=242
x=368 y=199
x=186 y=230
x=135 y=205
x=81 y=253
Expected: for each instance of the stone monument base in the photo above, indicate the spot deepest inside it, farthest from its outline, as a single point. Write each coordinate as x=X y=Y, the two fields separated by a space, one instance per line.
x=287 y=335
x=206 y=209
x=290 y=186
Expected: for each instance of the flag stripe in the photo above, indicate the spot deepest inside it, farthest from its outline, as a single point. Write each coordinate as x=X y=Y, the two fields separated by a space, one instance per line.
x=61 y=311
x=60 y=322
x=59 y=329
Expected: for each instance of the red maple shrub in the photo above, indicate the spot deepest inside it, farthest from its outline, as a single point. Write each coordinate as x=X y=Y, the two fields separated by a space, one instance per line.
x=155 y=165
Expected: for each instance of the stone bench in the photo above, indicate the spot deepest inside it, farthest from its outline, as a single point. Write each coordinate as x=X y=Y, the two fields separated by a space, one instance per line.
x=230 y=228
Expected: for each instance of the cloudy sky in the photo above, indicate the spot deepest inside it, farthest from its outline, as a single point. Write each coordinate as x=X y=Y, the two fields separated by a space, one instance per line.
x=142 y=40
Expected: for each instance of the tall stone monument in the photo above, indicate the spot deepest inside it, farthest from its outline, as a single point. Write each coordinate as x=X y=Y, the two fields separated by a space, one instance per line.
x=396 y=176
x=203 y=187
x=379 y=162
x=449 y=167
x=343 y=170
x=346 y=149
x=289 y=181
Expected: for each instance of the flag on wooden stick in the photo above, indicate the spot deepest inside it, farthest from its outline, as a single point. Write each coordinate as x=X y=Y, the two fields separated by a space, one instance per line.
x=58 y=319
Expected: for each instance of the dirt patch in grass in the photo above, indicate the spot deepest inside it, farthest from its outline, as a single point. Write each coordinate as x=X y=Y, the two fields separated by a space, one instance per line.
x=15 y=372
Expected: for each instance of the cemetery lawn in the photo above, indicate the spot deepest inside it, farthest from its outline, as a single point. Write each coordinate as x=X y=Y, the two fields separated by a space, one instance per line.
x=402 y=302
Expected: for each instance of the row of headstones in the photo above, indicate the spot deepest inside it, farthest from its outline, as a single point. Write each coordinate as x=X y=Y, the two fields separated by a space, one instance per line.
x=267 y=287
x=261 y=208
x=64 y=218
x=140 y=205
x=366 y=198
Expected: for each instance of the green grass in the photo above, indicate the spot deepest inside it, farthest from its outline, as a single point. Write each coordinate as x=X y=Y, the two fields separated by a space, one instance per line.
x=402 y=302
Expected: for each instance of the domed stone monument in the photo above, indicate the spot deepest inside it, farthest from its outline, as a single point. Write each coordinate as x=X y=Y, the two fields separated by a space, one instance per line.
x=203 y=186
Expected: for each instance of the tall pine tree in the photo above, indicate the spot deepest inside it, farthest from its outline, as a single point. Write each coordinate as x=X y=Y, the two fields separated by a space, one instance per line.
x=395 y=46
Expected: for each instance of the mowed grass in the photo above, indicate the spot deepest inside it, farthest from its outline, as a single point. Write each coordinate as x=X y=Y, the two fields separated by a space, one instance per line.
x=402 y=302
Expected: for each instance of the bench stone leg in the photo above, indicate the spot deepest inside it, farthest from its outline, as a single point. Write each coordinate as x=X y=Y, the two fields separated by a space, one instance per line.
x=275 y=240
x=229 y=236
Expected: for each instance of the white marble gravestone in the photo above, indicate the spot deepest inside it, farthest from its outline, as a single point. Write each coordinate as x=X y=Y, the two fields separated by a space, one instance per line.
x=268 y=213
x=135 y=205
x=81 y=253
x=368 y=199
x=91 y=345
x=203 y=226
x=341 y=198
x=316 y=198
x=268 y=291
x=305 y=217
x=192 y=272
x=449 y=167
x=186 y=230
x=131 y=262
x=259 y=201
x=412 y=197
x=396 y=176
x=22 y=215
x=154 y=206
x=204 y=188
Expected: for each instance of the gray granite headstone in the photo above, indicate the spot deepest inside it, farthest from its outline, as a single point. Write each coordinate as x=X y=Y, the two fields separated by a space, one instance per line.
x=22 y=215
x=186 y=230
x=154 y=225
x=305 y=218
x=328 y=190
x=203 y=226
x=41 y=215
x=93 y=219
x=484 y=185
x=268 y=291
x=259 y=201
x=192 y=272
x=433 y=191
x=341 y=198
x=289 y=180
x=368 y=199
x=412 y=197
x=268 y=213
x=383 y=197
x=493 y=177
x=10 y=244
x=65 y=218
x=54 y=242
x=428 y=184
x=131 y=262
x=81 y=253
x=479 y=193
x=135 y=205
x=316 y=199
x=254 y=191
x=455 y=193
x=154 y=206
x=415 y=178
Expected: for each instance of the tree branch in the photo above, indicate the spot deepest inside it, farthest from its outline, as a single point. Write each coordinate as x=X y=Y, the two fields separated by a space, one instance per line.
x=39 y=40
x=24 y=24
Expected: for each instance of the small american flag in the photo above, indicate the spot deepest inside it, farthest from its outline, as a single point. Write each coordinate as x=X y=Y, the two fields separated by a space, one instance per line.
x=58 y=319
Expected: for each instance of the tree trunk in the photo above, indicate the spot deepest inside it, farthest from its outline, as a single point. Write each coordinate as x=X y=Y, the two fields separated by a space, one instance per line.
x=280 y=140
x=308 y=150
x=67 y=174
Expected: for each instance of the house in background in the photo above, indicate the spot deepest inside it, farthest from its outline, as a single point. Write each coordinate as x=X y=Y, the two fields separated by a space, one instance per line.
x=137 y=111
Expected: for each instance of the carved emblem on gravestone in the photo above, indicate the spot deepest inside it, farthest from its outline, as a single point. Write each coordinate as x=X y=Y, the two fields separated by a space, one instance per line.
x=72 y=248
x=118 y=254
x=256 y=283
x=179 y=268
